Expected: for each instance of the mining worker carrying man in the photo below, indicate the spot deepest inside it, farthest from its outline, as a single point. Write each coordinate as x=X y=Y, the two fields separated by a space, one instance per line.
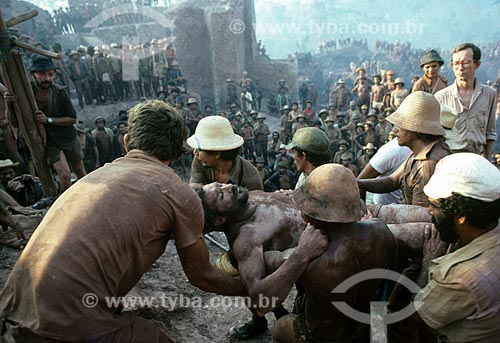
x=102 y=235
x=58 y=116
x=329 y=201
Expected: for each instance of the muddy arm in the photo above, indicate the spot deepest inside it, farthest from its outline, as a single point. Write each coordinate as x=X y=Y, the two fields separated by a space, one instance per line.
x=399 y=214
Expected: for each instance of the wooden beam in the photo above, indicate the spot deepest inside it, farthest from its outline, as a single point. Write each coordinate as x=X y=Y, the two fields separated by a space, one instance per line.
x=14 y=74
x=21 y=18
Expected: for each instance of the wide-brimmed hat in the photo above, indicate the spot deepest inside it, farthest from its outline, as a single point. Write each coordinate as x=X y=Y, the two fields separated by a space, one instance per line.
x=42 y=63
x=300 y=116
x=430 y=56
x=8 y=164
x=215 y=133
x=364 y=107
x=254 y=112
x=261 y=116
x=419 y=112
x=448 y=117
x=399 y=80
x=330 y=194
x=192 y=101
x=329 y=119
x=323 y=111
x=359 y=69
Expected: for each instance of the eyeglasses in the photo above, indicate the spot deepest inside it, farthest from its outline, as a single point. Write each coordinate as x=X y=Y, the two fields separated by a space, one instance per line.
x=465 y=64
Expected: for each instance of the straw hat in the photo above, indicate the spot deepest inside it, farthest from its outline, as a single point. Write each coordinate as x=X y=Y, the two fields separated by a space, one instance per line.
x=399 y=80
x=215 y=133
x=419 y=112
x=8 y=164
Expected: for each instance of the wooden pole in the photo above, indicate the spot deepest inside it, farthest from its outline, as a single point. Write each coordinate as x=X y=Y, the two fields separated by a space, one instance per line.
x=14 y=74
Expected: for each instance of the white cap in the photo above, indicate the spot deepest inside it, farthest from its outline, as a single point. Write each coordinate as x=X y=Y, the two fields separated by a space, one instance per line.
x=467 y=174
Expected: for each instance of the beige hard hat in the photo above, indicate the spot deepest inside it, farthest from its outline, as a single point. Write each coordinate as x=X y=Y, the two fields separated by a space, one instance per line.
x=330 y=194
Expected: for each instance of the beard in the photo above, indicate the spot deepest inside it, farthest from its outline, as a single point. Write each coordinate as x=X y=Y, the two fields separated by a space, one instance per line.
x=445 y=228
x=240 y=198
x=44 y=84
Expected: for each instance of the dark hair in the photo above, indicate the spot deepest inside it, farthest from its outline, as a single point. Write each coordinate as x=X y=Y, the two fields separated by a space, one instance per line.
x=464 y=46
x=427 y=137
x=121 y=123
x=228 y=155
x=480 y=214
x=155 y=128
x=313 y=158
x=209 y=214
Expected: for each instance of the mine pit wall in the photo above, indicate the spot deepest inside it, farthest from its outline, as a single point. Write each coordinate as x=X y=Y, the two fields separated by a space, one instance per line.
x=208 y=52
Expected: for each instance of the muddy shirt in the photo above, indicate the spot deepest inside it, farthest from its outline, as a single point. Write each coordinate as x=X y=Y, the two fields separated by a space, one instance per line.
x=243 y=174
x=461 y=299
x=418 y=170
x=99 y=237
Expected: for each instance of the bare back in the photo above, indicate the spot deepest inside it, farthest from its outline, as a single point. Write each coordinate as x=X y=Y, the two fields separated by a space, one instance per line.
x=357 y=247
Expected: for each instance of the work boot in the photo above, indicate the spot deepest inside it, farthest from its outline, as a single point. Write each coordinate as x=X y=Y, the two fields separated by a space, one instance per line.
x=253 y=328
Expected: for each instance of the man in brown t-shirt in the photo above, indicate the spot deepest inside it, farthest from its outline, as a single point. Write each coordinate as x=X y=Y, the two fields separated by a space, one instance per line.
x=99 y=238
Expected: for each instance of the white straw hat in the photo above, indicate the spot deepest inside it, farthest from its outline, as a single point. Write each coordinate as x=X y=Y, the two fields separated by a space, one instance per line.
x=419 y=112
x=215 y=133
x=467 y=174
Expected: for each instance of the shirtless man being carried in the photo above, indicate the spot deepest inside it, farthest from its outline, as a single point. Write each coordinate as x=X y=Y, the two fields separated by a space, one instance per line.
x=255 y=222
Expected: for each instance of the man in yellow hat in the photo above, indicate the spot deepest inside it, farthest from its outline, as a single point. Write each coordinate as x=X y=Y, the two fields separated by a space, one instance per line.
x=418 y=127
x=216 y=148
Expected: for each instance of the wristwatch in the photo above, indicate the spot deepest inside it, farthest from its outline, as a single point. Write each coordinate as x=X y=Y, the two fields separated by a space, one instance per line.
x=50 y=120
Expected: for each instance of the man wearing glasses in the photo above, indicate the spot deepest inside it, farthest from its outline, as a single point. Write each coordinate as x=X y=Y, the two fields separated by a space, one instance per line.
x=475 y=104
